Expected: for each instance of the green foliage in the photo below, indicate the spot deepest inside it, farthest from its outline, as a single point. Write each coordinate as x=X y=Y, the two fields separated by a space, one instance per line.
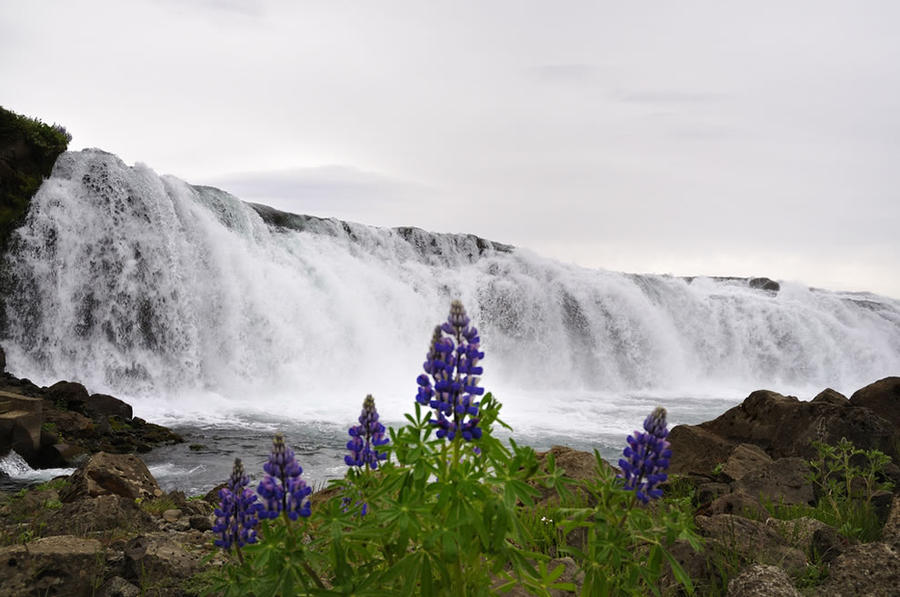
x=157 y=505
x=460 y=518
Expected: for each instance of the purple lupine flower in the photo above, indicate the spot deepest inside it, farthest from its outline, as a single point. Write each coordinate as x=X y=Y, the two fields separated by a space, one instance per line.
x=452 y=362
x=238 y=510
x=647 y=457
x=365 y=437
x=282 y=489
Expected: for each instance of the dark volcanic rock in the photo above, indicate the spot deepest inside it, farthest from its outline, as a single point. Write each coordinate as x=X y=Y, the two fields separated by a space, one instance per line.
x=752 y=540
x=744 y=460
x=65 y=566
x=104 y=405
x=117 y=474
x=696 y=450
x=785 y=426
x=102 y=513
x=69 y=393
x=760 y=580
x=829 y=396
x=882 y=397
x=871 y=569
x=782 y=481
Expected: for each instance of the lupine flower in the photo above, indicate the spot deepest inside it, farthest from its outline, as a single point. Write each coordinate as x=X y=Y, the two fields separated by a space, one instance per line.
x=452 y=362
x=282 y=489
x=238 y=512
x=365 y=437
x=646 y=457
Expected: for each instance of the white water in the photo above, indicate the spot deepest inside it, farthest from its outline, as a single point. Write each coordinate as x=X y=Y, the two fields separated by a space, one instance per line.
x=17 y=470
x=184 y=301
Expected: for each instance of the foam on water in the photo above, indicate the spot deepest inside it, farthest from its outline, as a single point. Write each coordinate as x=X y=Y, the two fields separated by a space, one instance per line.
x=186 y=302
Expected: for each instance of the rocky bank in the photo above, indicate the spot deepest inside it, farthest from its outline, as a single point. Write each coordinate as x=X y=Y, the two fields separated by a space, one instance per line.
x=109 y=530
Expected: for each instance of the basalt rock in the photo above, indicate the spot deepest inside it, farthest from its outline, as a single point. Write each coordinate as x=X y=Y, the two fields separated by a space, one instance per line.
x=829 y=396
x=111 y=474
x=99 y=514
x=65 y=566
x=881 y=397
x=783 y=481
x=760 y=580
x=752 y=540
x=871 y=569
x=697 y=451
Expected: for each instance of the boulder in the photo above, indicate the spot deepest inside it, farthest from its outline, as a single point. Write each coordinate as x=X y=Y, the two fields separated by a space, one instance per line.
x=161 y=557
x=744 y=459
x=829 y=396
x=762 y=581
x=119 y=587
x=827 y=544
x=65 y=565
x=696 y=450
x=782 y=481
x=709 y=492
x=752 y=540
x=69 y=394
x=111 y=474
x=21 y=418
x=798 y=532
x=881 y=397
x=784 y=426
x=104 y=405
x=871 y=569
x=738 y=503
x=99 y=514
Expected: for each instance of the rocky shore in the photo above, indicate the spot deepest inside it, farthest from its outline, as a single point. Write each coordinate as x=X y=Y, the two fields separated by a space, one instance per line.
x=108 y=530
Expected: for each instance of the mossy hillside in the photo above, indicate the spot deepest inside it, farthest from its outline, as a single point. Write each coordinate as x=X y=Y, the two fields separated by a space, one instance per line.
x=28 y=150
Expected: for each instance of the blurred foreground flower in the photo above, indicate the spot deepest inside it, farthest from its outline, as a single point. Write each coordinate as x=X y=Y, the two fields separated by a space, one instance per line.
x=282 y=489
x=452 y=362
x=237 y=515
x=365 y=437
x=646 y=457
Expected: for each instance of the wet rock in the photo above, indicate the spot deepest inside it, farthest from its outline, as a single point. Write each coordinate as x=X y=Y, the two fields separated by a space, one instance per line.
x=696 y=450
x=829 y=396
x=104 y=405
x=871 y=569
x=66 y=566
x=104 y=474
x=762 y=581
x=752 y=540
x=743 y=460
x=21 y=418
x=782 y=481
x=70 y=394
x=881 y=397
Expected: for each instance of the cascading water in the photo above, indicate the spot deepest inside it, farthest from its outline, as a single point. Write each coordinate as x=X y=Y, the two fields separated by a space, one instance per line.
x=191 y=303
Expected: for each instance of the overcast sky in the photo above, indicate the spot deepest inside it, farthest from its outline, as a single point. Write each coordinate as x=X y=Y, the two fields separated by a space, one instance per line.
x=666 y=137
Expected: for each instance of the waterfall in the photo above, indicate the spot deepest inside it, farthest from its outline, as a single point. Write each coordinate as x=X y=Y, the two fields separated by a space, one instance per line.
x=185 y=299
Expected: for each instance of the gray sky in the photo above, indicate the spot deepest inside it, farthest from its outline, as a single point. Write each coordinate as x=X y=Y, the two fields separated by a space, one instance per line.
x=668 y=137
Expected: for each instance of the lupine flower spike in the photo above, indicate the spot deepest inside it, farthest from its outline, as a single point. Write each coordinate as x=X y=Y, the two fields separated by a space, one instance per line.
x=282 y=489
x=365 y=437
x=452 y=362
x=646 y=457
x=236 y=516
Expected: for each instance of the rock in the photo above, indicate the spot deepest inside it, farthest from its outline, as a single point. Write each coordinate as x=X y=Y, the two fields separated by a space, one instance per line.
x=752 y=540
x=709 y=492
x=783 y=426
x=200 y=522
x=104 y=474
x=104 y=405
x=172 y=515
x=745 y=458
x=798 y=532
x=881 y=397
x=762 y=581
x=70 y=423
x=571 y=573
x=891 y=532
x=66 y=566
x=782 y=481
x=829 y=396
x=70 y=394
x=159 y=556
x=740 y=504
x=99 y=514
x=764 y=284
x=21 y=418
x=882 y=501
x=119 y=587
x=63 y=455
x=827 y=544
x=577 y=464
x=696 y=450
x=871 y=569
